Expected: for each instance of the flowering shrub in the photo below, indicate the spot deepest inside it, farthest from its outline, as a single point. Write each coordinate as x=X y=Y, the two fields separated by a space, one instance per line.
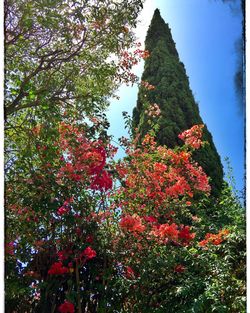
x=99 y=244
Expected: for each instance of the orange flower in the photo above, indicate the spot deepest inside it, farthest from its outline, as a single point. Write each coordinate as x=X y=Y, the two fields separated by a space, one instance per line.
x=214 y=239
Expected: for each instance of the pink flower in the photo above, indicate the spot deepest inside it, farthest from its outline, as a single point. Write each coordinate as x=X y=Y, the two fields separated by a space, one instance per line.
x=192 y=136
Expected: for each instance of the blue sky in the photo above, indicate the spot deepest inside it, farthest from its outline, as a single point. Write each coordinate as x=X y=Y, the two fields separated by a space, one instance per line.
x=205 y=33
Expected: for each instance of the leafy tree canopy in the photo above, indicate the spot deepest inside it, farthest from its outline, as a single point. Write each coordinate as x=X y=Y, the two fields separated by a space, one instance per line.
x=58 y=54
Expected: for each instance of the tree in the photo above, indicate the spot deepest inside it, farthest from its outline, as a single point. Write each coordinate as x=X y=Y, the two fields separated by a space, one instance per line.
x=56 y=52
x=164 y=82
x=63 y=60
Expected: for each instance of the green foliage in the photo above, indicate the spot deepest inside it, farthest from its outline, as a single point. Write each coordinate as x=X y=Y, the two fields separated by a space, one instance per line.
x=172 y=93
x=221 y=269
x=214 y=279
x=56 y=52
x=61 y=65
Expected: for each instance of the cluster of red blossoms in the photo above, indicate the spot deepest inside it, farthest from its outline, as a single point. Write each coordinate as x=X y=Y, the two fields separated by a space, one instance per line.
x=142 y=53
x=164 y=232
x=102 y=181
x=64 y=254
x=10 y=248
x=58 y=269
x=173 y=232
x=84 y=160
x=88 y=254
x=132 y=223
x=192 y=136
x=159 y=175
x=155 y=179
x=158 y=182
x=179 y=268
x=66 y=307
x=129 y=272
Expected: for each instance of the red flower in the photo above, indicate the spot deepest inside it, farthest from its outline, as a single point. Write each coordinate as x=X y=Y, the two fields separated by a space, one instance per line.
x=129 y=273
x=150 y=219
x=64 y=254
x=88 y=253
x=62 y=210
x=90 y=238
x=160 y=167
x=10 y=248
x=185 y=235
x=202 y=243
x=101 y=181
x=78 y=231
x=132 y=223
x=58 y=269
x=179 y=268
x=66 y=307
x=98 y=159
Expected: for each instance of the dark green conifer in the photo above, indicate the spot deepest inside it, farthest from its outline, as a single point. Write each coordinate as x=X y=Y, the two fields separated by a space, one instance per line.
x=172 y=93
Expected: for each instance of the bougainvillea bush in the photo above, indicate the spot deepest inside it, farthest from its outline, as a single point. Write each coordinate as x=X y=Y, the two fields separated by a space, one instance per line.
x=88 y=234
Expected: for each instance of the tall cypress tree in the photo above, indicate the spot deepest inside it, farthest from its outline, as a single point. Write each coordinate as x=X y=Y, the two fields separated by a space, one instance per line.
x=179 y=111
